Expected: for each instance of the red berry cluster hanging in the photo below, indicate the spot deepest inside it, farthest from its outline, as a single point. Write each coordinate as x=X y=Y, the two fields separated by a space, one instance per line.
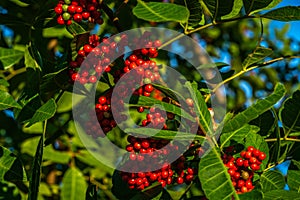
x=148 y=150
x=98 y=62
x=155 y=119
x=241 y=169
x=78 y=10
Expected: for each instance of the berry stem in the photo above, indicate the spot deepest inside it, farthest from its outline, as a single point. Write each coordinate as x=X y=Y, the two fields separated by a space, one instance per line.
x=282 y=139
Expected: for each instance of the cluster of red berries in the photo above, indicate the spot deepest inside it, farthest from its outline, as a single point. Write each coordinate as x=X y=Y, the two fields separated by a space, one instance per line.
x=78 y=10
x=241 y=169
x=156 y=118
x=148 y=150
x=98 y=62
x=142 y=180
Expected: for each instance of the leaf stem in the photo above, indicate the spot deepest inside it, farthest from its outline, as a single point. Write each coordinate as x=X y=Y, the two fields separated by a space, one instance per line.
x=15 y=72
x=282 y=139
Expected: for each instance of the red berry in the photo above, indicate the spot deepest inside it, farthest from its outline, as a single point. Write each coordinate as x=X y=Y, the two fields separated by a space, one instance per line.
x=243 y=154
x=145 y=144
x=164 y=174
x=72 y=9
x=239 y=162
x=60 y=20
x=250 y=148
x=254 y=167
x=140 y=109
x=77 y=17
x=137 y=146
x=132 y=156
x=244 y=189
x=240 y=183
x=190 y=171
x=179 y=180
x=262 y=156
x=256 y=152
x=248 y=154
x=252 y=160
x=87 y=48
x=93 y=79
x=231 y=172
x=102 y=100
x=230 y=165
x=85 y=15
x=189 y=178
x=248 y=184
x=236 y=175
x=133 y=58
x=148 y=88
x=153 y=177
x=79 y=9
x=246 y=163
x=189 y=102
x=58 y=10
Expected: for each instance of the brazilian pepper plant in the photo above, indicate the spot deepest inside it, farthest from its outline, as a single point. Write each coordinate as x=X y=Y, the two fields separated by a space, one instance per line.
x=181 y=99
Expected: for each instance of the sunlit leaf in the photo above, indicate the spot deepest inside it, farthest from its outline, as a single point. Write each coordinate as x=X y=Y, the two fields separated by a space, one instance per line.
x=160 y=12
x=256 y=109
x=254 y=6
x=11 y=168
x=288 y=13
x=9 y=57
x=215 y=180
x=258 y=55
x=7 y=101
x=272 y=180
x=73 y=185
x=45 y=112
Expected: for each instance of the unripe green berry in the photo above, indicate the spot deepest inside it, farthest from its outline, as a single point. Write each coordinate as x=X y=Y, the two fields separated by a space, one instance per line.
x=67 y=1
x=66 y=16
x=147 y=81
x=117 y=39
x=65 y=8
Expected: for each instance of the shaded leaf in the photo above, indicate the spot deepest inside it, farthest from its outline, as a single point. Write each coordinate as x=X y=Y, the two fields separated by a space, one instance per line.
x=160 y=12
x=255 y=110
x=272 y=180
x=73 y=185
x=35 y=178
x=289 y=113
x=265 y=122
x=45 y=112
x=296 y=163
x=7 y=101
x=253 y=6
x=293 y=180
x=148 y=101
x=215 y=180
x=288 y=13
x=200 y=108
x=281 y=195
x=196 y=13
x=258 y=54
x=9 y=57
x=9 y=191
x=91 y=193
x=165 y=134
x=11 y=168
x=224 y=9
x=76 y=29
x=238 y=135
x=254 y=194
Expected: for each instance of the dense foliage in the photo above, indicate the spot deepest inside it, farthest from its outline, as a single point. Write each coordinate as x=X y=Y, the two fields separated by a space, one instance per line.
x=60 y=53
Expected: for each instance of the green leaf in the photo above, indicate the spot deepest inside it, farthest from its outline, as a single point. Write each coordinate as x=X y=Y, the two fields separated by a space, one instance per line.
x=258 y=55
x=238 y=135
x=169 y=92
x=9 y=57
x=258 y=142
x=76 y=29
x=254 y=194
x=160 y=12
x=73 y=185
x=11 y=168
x=281 y=195
x=45 y=112
x=265 y=122
x=9 y=191
x=254 y=6
x=35 y=178
x=272 y=180
x=224 y=9
x=31 y=61
x=215 y=180
x=200 y=108
x=289 y=113
x=293 y=180
x=196 y=13
x=288 y=13
x=28 y=146
x=7 y=101
x=164 y=134
x=91 y=192
x=148 y=101
x=56 y=32
x=296 y=163
x=255 y=110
